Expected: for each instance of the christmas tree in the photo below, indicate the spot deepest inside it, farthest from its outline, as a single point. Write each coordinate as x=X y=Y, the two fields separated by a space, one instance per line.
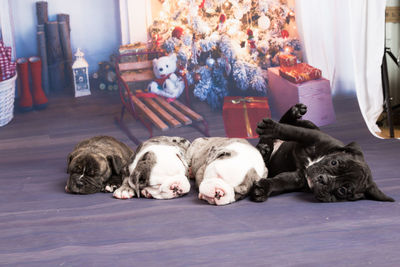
x=225 y=44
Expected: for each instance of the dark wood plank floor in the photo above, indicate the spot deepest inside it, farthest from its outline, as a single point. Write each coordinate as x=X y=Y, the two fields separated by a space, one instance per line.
x=41 y=225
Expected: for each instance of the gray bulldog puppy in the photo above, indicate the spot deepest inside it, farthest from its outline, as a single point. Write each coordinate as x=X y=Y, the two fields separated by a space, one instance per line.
x=300 y=157
x=97 y=165
x=224 y=168
x=158 y=170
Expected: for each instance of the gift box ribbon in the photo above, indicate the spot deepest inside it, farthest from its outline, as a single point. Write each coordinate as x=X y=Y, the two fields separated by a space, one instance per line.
x=243 y=101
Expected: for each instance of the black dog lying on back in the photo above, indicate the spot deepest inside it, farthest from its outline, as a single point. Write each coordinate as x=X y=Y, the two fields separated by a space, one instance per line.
x=309 y=159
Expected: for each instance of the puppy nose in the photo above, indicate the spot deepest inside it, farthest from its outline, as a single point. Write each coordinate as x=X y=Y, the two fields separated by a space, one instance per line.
x=79 y=183
x=160 y=69
x=322 y=179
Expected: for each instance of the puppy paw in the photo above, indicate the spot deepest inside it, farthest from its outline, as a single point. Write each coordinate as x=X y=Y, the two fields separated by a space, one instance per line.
x=216 y=192
x=109 y=188
x=146 y=193
x=124 y=192
x=298 y=111
x=260 y=191
x=176 y=189
x=215 y=199
x=267 y=128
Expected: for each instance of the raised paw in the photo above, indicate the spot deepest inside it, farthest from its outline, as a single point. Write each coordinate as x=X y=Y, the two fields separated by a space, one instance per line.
x=124 y=192
x=298 y=111
x=267 y=128
x=260 y=191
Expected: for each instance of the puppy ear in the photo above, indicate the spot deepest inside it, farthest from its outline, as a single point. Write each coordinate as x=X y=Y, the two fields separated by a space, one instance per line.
x=69 y=159
x=353 y=148
x=374 y=193
x=115 y=162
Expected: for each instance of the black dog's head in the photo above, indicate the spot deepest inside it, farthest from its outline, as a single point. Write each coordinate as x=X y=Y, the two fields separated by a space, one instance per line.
x=343 y=175
x=89 y=172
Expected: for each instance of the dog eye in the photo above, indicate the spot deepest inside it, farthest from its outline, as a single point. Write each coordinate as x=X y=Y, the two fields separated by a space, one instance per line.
x=334 y=162
x=342 y=191
x=167 y=66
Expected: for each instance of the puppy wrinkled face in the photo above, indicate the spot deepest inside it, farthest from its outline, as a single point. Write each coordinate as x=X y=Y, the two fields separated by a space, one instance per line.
x=338 y=177
x=86 y=174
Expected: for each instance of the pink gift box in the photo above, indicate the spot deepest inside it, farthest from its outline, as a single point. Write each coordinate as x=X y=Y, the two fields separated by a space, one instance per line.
x=316 y=94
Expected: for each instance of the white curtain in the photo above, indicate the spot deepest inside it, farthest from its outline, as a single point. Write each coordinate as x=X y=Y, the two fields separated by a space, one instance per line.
x=6 y=27
x=135 y=19
x=345 y=39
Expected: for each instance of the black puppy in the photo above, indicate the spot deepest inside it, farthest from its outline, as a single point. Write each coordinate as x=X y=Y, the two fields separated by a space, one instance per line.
x=300 y=157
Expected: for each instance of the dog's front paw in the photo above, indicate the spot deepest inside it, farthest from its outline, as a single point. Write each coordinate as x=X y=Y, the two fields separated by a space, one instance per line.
x=298 y=111
x=109 y=188
x=267 y=128
x=260 y=191
x=124 y=192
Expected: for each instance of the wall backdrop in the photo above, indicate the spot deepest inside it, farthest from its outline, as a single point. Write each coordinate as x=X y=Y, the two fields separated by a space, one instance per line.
x=95 y=27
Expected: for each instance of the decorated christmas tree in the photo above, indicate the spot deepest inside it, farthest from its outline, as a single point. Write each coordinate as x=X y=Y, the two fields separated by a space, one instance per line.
x=225 y=44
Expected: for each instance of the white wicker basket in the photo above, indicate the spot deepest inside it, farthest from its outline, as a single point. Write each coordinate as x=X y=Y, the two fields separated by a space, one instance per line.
x=7 y=95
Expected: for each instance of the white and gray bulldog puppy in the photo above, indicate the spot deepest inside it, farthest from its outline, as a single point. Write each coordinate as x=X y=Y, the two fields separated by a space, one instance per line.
x=159 y=169
x=224 y=168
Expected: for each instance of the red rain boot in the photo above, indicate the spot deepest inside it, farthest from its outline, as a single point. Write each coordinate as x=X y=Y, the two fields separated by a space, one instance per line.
x=39 y=97
x=25 y=99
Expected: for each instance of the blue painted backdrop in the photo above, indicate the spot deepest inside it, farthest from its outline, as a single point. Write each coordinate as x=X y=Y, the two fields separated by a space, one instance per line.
x=95 y=26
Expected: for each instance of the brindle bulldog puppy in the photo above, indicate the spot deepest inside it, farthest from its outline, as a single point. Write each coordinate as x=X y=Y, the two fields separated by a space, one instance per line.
x=158 y=170
x=224 y=168
x=302 y=158
x=97 y=165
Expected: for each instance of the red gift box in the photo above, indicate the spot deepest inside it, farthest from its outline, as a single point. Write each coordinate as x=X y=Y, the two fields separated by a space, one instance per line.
x=299 y=73
x=286 y=60
x=242 y=114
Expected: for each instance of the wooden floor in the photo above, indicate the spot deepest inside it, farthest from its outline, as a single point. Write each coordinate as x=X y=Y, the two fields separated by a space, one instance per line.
x=41 y=225
x=385 y=132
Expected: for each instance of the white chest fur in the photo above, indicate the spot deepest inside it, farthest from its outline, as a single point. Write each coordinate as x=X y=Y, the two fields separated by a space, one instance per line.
x=234 y=169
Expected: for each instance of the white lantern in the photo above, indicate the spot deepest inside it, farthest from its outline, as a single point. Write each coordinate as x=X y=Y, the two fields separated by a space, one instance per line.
x=81 y=75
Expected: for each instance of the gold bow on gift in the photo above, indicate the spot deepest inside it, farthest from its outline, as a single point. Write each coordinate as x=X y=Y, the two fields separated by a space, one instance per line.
x=245 y=100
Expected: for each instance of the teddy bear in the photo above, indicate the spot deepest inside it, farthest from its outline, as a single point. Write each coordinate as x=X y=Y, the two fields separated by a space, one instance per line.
x=167 y=83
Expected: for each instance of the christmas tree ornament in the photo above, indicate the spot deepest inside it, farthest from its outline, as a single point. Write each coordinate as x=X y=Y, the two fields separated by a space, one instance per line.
x=197 y=77
x=221 y=24
x=177 y=32
x=284 y=34
x=210 y=62
x=263 y=22
x=202 y=4
x=250 y=39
